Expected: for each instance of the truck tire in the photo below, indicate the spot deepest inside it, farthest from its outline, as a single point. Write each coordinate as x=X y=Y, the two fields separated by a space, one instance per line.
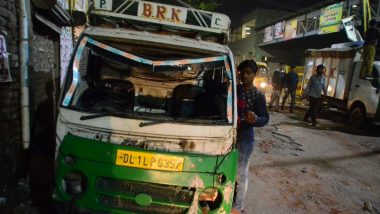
x=358 y=116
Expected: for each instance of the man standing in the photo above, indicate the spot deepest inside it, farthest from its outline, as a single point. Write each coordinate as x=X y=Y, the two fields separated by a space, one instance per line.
x=291 y=81
x=277 y=84
x=314 y=88
x=371 y=37
x=252 y=112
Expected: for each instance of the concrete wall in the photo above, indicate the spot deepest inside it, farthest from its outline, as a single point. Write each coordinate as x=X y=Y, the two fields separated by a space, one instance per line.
x=266 y=16
x=246 y=48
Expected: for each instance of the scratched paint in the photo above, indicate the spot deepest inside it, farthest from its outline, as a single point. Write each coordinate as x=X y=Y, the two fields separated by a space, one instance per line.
x=198 y=184
x=228 y=191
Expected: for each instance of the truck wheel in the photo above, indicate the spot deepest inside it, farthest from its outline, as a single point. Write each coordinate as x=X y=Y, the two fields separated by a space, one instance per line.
x=358 y=116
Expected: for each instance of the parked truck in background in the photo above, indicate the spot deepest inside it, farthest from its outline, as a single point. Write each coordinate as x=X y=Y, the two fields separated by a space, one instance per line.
x=345 y=90
x=147 y=117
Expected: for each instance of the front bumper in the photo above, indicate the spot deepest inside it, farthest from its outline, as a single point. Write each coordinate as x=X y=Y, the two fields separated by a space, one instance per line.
x=111 y=188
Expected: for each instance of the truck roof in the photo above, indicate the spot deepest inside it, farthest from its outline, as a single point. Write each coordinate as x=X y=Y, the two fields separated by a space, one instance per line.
x=154 y=16
x=332 y=52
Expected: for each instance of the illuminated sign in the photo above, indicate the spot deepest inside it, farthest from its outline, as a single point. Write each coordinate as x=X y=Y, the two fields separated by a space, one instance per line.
x=268 y=34
x=331 y=17
x=279 y=30
x=291 y=29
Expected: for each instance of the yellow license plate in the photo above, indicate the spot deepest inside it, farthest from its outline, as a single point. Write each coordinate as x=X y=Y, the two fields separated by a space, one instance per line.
x=146 y=160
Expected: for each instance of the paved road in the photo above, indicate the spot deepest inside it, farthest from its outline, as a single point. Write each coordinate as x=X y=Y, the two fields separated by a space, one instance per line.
x=298 y=168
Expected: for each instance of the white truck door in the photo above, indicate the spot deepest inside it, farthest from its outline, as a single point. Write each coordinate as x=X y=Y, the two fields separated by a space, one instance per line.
x=363 y=94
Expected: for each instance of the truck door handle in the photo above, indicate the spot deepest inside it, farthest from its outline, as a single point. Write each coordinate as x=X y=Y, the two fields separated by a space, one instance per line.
x=357 y=86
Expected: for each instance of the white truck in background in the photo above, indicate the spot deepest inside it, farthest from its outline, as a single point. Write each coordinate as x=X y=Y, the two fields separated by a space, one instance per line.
x=345 y=90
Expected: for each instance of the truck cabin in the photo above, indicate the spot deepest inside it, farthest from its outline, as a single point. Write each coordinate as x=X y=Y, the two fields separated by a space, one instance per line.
x=111 y=82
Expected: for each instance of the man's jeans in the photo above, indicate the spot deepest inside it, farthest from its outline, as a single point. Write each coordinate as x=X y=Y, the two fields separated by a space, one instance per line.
x=292 y=99
x=275 y=99
x=313 y=109
x=245 y=149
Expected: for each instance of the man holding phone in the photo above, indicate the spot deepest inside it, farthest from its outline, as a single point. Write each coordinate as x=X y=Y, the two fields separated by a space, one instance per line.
x=252 y=112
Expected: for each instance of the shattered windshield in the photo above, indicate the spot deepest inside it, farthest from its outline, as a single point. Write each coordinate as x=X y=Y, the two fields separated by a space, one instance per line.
x=162 y=84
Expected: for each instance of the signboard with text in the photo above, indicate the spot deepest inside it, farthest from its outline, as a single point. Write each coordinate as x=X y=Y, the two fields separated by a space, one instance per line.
x=291 y=29
x=103 y=5
x=279 y=30
x=268 y=34
x=330 y=19
x=162 y=12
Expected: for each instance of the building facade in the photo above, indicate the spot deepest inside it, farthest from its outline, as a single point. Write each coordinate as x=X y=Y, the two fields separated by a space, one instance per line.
x=44 y=27
x=285 y=39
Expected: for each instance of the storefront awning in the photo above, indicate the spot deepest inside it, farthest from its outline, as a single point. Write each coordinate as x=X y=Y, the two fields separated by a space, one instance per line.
x=52 y=11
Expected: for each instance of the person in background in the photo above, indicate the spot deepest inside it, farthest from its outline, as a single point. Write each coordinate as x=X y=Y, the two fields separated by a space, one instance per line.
x=313 y=91
x=291 y=81
x=277 y=84
x=252 y=112
x=371 y=38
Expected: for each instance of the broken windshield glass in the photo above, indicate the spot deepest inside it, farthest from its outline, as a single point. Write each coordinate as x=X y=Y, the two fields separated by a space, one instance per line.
x=105 y=79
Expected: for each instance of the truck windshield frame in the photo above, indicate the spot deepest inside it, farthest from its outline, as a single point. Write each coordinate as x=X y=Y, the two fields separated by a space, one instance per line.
x=103 y=78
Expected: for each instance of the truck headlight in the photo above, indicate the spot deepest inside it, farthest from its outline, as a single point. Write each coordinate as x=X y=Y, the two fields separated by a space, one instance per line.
x=69 y=159
x=210 y=199
x=263 y=85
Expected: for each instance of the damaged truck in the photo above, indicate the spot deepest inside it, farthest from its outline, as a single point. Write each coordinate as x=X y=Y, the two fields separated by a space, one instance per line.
x=147 y=115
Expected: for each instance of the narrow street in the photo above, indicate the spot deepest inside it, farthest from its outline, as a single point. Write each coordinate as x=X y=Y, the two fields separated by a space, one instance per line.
x=298 y=168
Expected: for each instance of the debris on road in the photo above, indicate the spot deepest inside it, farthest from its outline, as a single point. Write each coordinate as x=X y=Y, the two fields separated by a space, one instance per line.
x=367 y=206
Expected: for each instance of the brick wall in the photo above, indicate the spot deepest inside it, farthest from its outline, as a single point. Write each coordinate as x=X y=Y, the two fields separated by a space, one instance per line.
x=43 y=65
x=10 y=128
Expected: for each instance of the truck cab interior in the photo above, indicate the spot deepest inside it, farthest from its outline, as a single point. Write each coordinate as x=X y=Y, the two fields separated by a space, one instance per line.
x=110 y=83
